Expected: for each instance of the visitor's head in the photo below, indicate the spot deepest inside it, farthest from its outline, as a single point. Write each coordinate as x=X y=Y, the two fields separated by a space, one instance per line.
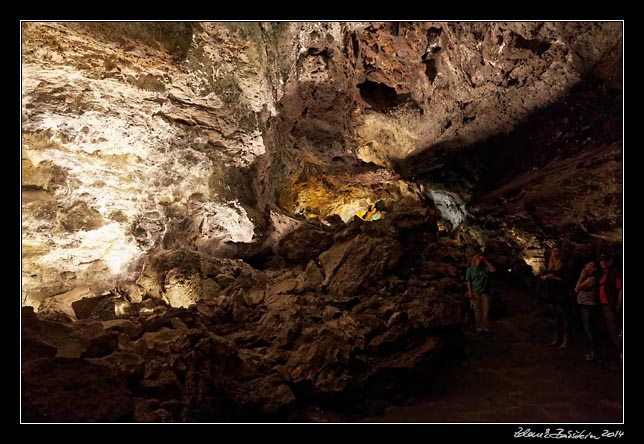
x=605 y=260
x=591 y=267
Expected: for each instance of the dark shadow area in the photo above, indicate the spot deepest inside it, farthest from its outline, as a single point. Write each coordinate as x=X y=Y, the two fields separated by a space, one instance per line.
x=589 y=112
x=380 y=96
x=430 y=70
x=535 y=45
x=512 y=375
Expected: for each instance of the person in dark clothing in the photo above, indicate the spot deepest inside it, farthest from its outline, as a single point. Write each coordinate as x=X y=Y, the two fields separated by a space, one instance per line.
x=588 y=299
x=610 y=297
x=557 y=299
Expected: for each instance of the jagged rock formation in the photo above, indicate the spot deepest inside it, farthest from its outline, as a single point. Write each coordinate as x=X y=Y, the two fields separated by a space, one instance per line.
x=141 y=136
x=194 y=186
x=135 y=137
x=352 y=331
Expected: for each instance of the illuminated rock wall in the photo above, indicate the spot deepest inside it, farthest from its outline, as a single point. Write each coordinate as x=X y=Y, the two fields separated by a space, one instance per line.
x=139 y=137
x=135 y=137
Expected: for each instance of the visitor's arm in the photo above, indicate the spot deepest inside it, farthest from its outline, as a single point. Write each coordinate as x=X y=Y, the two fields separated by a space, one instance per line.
x=489 y=265
x=583 y=283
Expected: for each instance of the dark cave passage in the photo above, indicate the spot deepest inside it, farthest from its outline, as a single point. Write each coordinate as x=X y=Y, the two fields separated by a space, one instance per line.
x=513 y=375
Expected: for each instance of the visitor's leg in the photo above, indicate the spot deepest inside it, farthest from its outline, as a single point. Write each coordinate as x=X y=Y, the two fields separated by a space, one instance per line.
x=588 y=313
x=565 y=325
x=476 y=298
x=556 y=321
x=485 y=310
x=610 y=319
x=586 y=319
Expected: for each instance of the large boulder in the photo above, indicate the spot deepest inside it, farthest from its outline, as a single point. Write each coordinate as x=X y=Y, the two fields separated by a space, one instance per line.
x=99 y=307
x=59 y=308
x=67 y=341
x=358 y=263
x=304 y=243
x=183 y=278
x=321 y=362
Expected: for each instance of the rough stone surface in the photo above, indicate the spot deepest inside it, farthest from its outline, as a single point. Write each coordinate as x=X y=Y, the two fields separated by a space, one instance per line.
x=169 y=135
x=273 y=341
x=194 y=130
x=304 y=243
x=249 y=201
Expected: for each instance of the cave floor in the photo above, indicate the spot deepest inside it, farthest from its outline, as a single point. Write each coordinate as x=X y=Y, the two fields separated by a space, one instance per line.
x=513 y=376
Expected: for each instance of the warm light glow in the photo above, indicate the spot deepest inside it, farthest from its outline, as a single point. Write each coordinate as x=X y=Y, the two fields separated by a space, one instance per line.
x=347 y=211
x=345 y=196
x=121 y=308
x=535 y=263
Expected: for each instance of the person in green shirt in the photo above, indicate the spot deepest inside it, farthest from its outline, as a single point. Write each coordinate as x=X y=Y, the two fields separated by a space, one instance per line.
x=477 y=278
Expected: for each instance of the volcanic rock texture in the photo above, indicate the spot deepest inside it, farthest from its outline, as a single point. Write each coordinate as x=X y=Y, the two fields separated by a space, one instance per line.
x=348 y=329
x=217 y=169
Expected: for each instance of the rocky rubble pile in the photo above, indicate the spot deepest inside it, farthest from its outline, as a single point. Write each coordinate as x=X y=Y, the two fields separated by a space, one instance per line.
x=357 y=314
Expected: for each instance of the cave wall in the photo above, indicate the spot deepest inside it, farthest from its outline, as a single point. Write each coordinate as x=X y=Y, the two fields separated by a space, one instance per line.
x=419 y=85
x=136 y=136
x=406 y=96
x=146 y=136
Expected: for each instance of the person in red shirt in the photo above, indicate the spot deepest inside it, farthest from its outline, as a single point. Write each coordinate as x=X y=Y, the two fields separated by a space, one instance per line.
x=610 y=297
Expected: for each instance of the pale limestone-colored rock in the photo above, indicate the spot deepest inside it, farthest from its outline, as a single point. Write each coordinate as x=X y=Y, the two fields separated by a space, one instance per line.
x=181 y=290
x=151 y=284
x=62 y=304
x=134 y=292
x=87 y=101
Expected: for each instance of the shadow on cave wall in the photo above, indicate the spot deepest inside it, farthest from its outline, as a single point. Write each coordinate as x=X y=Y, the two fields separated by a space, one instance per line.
x=591 y=113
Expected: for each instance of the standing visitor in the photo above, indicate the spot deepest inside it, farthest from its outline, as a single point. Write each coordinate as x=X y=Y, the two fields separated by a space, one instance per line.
x=588 y=298
x=477 y=278
x=557 y=299
x=610 y=297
